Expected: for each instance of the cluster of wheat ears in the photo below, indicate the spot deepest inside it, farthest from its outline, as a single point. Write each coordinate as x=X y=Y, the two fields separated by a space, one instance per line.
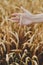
x=23 y=45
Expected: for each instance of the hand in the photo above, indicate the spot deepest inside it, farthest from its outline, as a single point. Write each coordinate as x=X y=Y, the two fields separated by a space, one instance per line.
x=26 y=17
x=22 y=18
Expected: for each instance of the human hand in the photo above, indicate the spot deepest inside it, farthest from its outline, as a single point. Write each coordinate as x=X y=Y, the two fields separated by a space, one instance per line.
x=26 y=17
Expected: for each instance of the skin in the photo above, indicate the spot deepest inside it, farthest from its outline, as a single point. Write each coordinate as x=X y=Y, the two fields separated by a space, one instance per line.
x=26 y=17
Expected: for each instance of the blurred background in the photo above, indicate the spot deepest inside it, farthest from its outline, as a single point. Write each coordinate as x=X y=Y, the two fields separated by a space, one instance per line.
x=29 y=38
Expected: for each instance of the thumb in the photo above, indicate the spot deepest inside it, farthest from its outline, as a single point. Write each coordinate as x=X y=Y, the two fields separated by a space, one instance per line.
x=26 y=11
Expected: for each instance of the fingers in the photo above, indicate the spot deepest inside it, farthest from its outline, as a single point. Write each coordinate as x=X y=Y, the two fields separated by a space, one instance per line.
x=17 y=21
x=15 y=18
x=15 y=14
